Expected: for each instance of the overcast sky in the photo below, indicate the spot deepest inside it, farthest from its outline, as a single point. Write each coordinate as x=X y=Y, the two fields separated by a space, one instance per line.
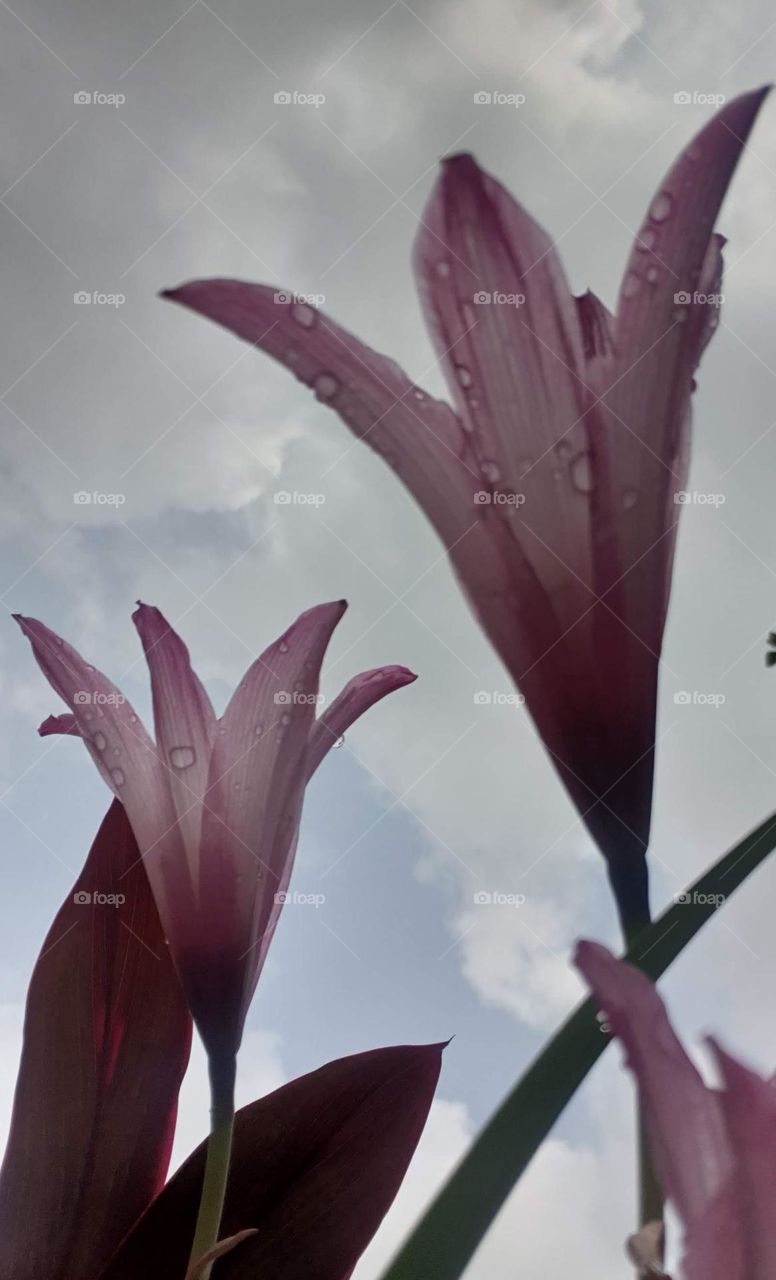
x=182 y=164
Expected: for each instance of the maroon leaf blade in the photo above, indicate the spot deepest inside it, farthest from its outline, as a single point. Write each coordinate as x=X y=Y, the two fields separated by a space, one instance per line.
x=106 y=1042
x=315 y=1166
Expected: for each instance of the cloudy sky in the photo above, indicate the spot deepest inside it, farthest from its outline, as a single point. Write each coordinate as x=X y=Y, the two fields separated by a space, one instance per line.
x=182 y=164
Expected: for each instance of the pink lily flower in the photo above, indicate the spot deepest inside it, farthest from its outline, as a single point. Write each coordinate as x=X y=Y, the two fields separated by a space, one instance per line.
x=214 y=804
x=714 y=1150
x=552 y=481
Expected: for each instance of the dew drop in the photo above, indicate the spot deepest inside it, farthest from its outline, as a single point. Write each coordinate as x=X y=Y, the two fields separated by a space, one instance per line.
x=646 y=240
x=259 y=730
x=118 y=777
x=491 y=470
x=463 y=375
x=582 y=473
x=652 y=275
x=87 y=715
x=631 y=286
x=133 y=719
x=563 y=448
x=283 y=647
x=629 y=499
x=661 y=207
x=693 y=154
x=325 y=386
x=285 y=718
x=304 y=315
x=443 y=267
x=182 y=757
x=291 y=356
x=525 y=466
x=340 y=741
x=418 y=394
x=100 y=741
x=60 y=640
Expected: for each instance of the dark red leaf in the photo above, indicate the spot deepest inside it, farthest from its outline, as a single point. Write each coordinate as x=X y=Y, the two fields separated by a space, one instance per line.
x=316 y=1165
x=106 y=1043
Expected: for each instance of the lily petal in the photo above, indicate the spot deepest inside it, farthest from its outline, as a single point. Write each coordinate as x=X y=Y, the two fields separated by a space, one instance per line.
x=64 y=724
x=359 y=694
x=184 y=719
x=684 y=1119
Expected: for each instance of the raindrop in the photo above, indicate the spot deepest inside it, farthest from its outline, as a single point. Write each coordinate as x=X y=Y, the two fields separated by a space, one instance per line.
x=60 y=640
x=631 y=286
x=285 y=718
x=653 y=275
x=291 y=356
x=259 y=730
x=525 y=466
x=87 y=715
x=325 y=386
x=340 y=741
x=679 y=315
x=661 y=207
x=582 y=473
x=563 y=448
x=693 y=154
x=463 y=375
x=283 y=647
x=646 y=240
x=118 y=777
x=629 y=499
x=100 y=741
x=418 y=394
x=443 y=267
x=182 y=757
x=304 y=315
x=133 y=719
x=491 y=471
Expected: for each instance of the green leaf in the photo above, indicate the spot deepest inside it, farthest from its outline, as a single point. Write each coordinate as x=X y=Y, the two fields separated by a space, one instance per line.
x=446 y=1237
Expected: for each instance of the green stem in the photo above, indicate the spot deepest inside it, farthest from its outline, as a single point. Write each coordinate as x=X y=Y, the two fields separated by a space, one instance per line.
x=219 y=1149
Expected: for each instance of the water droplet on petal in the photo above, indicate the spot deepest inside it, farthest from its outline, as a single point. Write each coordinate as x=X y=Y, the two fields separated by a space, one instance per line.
x=631 y=285
x=340 y=741
x=118 y=777
x=285 y=718
x=661 y=207
x=100 y=741
x=325 y=386
x=629 y=499
x=563 y=448
x=418 y=394
x=60 y=640
x=87 y=715
x=303 y=315
x=693 y=153
x=582 y=476
x=525 y=466
x=182 y=757
x=491 y=470
x=646 y=240
x=259 y=730
x=283 y=647
x=463 y=375
x=291 y=356
x=443 y=267
x=133 y=719
x=652 y=275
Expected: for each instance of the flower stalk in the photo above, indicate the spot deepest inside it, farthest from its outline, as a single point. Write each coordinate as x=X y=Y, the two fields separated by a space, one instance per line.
x=219 y=1148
